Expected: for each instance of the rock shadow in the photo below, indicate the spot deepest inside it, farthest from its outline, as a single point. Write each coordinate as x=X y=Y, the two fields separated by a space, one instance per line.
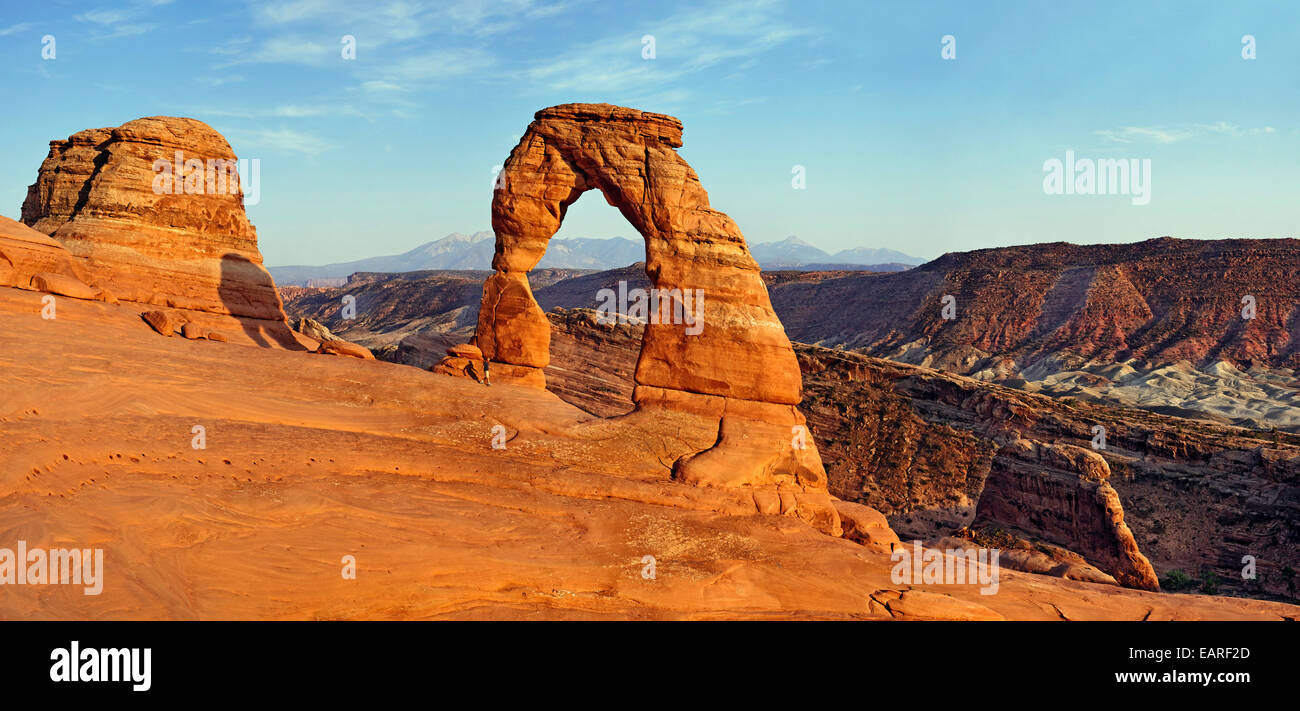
x=247 y=290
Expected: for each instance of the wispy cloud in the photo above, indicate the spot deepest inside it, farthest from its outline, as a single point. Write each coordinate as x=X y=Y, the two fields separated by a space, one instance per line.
x=220 y=81
x=1228 y=129
x=287 y=49
x=102 y=17
x=1162 y=134
x=408 y=46
x=438 y=64
x=381 y=86
x=388 y=28
x=390 y=20
x=685 y=43
x=121 y=22
x=278 y=139
x=280 y=111
x=15 y=29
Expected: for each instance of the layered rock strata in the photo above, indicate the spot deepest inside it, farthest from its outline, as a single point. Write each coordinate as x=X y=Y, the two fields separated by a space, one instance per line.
x=154 y=208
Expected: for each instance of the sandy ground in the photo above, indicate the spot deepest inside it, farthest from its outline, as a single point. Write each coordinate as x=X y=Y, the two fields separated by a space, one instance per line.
x=311 y=458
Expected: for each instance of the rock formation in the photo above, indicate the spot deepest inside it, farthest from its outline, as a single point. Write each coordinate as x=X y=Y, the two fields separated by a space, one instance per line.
x=712 y=344
x=741 y=352
x=1061 y=494
x=154 y=208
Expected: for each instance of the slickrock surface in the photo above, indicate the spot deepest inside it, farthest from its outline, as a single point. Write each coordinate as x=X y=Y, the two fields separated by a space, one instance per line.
x=1030 y=557
x=917 y=444
x=189 y=246
x=309 y=459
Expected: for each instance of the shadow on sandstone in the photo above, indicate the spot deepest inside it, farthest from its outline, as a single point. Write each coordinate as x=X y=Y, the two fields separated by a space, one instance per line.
x=244 y=290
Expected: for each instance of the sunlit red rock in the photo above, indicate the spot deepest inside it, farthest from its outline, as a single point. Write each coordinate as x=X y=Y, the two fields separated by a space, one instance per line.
x=150 y=229
x=712 y=344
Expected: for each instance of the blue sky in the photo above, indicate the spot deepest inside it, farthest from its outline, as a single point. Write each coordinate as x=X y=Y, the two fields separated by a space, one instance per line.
x=902 y=148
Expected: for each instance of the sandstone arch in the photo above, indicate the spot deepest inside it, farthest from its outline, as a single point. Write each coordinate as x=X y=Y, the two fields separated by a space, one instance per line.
x=739 y=368
x=628 y=156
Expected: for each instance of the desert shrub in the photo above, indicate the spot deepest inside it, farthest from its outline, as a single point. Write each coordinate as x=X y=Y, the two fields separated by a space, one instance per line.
x=1210 y=584
x=1176 y=580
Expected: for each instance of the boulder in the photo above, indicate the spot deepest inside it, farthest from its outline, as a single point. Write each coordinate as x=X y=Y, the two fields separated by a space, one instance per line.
x=64 y=285
x=164 y=322
x=867 y=526
x=464 y=360
x=460 y=367
x=314 y=329
x=466 y=350
x=345 y=348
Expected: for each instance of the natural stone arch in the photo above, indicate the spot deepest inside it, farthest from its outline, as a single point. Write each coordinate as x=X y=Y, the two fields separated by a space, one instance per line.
x=739 y=369
x=742 y=350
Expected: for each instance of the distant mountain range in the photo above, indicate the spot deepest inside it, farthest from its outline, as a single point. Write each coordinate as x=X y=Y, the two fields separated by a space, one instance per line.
x=474 y=251
x=793 y=252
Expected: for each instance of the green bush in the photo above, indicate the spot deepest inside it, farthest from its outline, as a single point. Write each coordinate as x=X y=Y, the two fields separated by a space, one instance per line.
x=1177 y=580
x=1210 y=584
